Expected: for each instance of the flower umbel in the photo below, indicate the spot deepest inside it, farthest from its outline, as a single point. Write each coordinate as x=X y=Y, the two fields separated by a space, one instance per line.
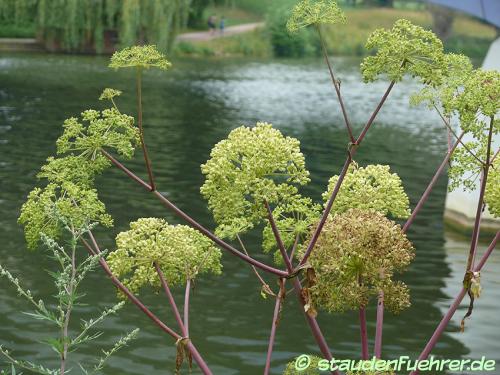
x=181 y=252
x=251 y=166
x=372 y=187
x=139 y=57
x=315 y=12
x=356 y=256
x=405 y=49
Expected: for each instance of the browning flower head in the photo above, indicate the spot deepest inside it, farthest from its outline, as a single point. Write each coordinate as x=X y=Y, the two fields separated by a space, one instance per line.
x=45 y=210
x=97 y=130
x=251 y=166
x=109 y=94
x=405 y=49
x=372 y=187
x=180 y=251
x=139 y=57
x=315 y=12
x=355 y=257
x=293 y=219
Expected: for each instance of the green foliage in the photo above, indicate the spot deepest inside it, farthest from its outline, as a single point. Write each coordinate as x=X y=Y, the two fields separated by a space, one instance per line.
x=180 y=251
x=315 y=12
x=356 y=256
x=67 y=280
x=251 y=166
x=294 y=220
x=371 y=188
x=139 y=57
x=405 y=49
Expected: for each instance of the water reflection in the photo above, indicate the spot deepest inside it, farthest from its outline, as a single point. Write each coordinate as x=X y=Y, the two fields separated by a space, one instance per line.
x=186 y=112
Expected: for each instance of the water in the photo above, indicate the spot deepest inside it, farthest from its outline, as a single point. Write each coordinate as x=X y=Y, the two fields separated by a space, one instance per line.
x=188 y=110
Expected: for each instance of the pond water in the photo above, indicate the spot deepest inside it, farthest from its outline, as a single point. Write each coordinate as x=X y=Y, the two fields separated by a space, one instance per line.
x=187 y=111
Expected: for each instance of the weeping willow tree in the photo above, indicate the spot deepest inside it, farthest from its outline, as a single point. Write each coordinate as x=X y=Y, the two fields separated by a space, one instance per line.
x=85 y=25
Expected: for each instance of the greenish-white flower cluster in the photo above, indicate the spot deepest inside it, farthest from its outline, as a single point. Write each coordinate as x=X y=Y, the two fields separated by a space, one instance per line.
x=69 y=195
x=252 y=166
x=315 y=12
x=404 y=49
x=355 y=258
x=373 y=187
x=180 y=251
x=146 y=57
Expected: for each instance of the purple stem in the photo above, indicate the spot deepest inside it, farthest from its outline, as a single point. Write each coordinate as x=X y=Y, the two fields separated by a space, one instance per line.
x=127 y=292
x=431 y=185
x=279 y=241
x=454 y=306
x=186 y=306
x=170 y=298
x=380 y=325
x=364 y=333
x=224 y=245
x=336 y=85
x=272 y=335
x=342 y=175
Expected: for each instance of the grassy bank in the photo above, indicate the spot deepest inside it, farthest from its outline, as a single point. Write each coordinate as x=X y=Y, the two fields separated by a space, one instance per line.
x=469 y=36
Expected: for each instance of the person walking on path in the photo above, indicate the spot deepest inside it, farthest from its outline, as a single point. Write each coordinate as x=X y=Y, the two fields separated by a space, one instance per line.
x=211 y=24
x=222 y=25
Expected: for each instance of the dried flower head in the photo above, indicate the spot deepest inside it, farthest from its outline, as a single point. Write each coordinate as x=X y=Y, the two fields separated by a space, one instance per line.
x=46 y=208
x=315 y=12
x=373 y=187
x=98 y=130
x=293 y=219
x=405 y=49
x=251 y=166
x=139 y=57
x=180 y=251
x=356 y=256
x=109 y=94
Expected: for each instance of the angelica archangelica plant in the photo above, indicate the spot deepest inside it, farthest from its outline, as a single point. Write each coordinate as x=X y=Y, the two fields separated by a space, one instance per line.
x=67 y=280
x=252 y=166
x=404 y=49
x=373 y=187
x=181 y=253
x=315 y=12
x=355 y=258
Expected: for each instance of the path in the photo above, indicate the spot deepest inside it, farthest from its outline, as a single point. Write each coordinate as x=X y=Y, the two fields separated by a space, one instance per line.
x=231 y=30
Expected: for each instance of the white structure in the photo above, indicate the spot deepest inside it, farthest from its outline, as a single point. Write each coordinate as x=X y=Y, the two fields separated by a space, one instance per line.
x=460 y=207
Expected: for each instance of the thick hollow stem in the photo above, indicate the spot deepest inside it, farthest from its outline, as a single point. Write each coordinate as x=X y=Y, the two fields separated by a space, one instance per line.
x=380 y=325
x=194 y=352
x=126 y=291
x=187 y=295
x=454 y=306
x=482 y=189
x=342 y=175
x=363 y=333
x=431 y=185
x=279 y=240
x=69 y=308
x=274 y=325
x=147 y=160
x=170 y=298
x=336 y=85
x=193 y=223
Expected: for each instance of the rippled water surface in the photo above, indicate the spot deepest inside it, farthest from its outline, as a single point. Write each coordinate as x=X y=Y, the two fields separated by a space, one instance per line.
x=187 y=111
